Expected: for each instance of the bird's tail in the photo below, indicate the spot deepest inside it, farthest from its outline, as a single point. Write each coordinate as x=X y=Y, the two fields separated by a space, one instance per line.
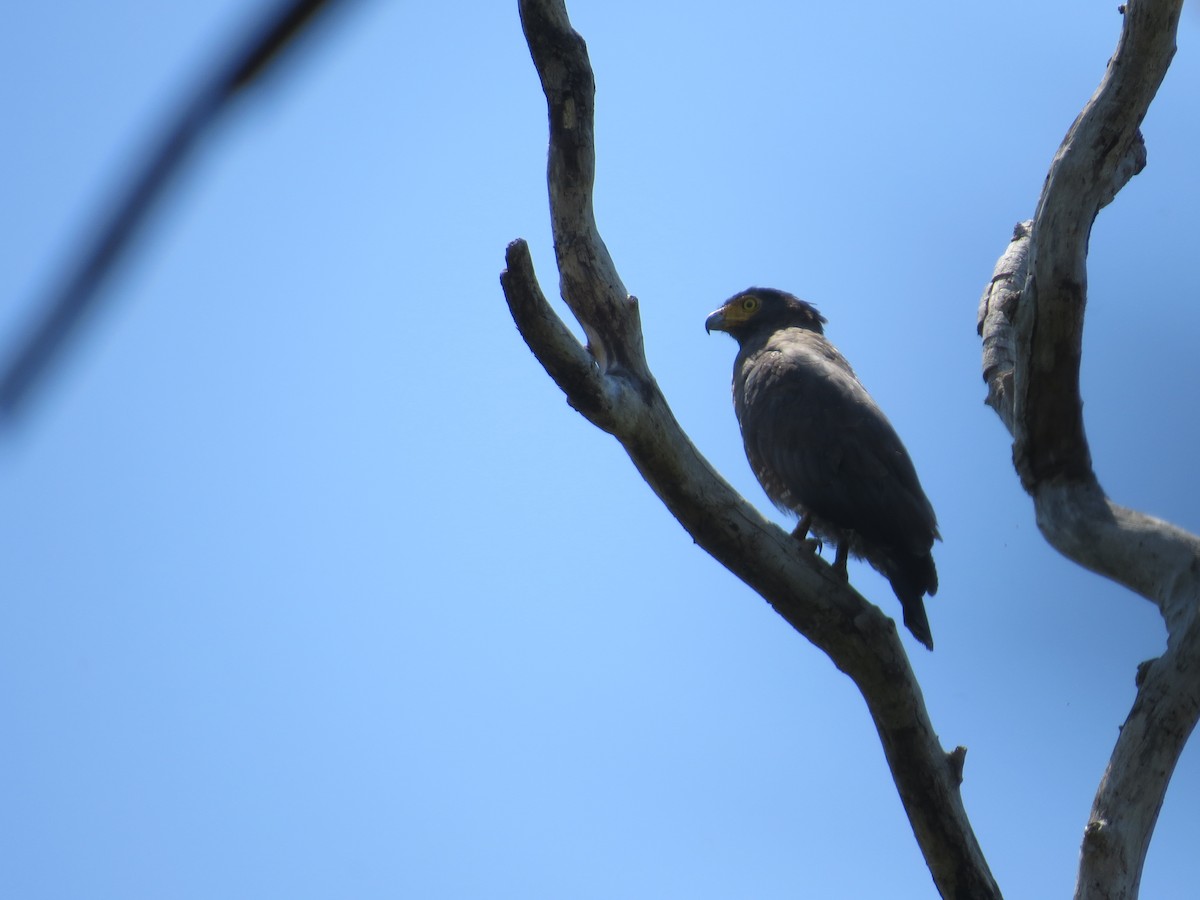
x=912 y=580
x=915 y=619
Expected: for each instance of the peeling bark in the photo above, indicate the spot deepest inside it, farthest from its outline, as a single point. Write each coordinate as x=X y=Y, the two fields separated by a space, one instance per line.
x=1031 y=321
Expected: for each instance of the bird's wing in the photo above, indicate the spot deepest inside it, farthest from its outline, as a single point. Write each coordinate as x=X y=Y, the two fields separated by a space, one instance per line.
x=818 y=443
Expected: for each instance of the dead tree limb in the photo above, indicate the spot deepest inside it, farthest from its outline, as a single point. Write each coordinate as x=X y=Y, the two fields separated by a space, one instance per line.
x=1031 y=322
x=610 y=383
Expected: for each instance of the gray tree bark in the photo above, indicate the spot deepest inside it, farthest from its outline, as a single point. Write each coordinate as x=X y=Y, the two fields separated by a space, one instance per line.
x=610 y=383
x=1031 y=323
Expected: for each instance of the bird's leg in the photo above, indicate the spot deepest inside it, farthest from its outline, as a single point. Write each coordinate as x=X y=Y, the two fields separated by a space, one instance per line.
x=839 y=558
x=800 y=533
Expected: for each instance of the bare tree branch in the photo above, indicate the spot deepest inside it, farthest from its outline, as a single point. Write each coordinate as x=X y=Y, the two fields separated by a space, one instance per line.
x=611 y=384
x=65 y=308
x=1031 y=321
x=997 y=308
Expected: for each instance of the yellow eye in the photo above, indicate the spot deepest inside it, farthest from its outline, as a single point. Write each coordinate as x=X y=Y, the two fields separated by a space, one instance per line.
x=749 y=304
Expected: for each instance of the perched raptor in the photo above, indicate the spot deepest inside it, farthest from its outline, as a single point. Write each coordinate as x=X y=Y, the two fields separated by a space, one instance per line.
x=822 y=449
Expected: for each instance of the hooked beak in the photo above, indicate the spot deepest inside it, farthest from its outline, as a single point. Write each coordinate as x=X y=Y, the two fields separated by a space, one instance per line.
x=715 y=322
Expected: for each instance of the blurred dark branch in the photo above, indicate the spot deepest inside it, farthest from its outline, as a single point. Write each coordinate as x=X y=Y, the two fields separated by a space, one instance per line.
x=1031 y=321
x=610 y=383
x=59 y=316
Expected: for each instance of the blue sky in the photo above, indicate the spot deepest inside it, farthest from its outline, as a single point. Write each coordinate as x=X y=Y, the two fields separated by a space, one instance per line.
x=315 y=587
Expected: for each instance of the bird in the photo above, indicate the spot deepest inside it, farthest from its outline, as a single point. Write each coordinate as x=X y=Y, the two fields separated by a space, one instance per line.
x=822 y=448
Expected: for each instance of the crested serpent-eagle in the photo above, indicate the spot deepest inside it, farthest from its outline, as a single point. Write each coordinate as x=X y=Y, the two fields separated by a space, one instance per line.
x=822 y=448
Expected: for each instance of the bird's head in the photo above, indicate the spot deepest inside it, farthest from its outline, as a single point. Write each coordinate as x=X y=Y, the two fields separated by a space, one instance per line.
x=754 y=309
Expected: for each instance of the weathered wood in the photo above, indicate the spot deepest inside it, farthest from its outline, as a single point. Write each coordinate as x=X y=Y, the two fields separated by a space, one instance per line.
x=1031 y=322
x=611 y=385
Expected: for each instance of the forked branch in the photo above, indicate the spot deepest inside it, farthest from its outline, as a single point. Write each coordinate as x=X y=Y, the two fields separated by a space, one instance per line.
x=1031 y=322
x=610 y=383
